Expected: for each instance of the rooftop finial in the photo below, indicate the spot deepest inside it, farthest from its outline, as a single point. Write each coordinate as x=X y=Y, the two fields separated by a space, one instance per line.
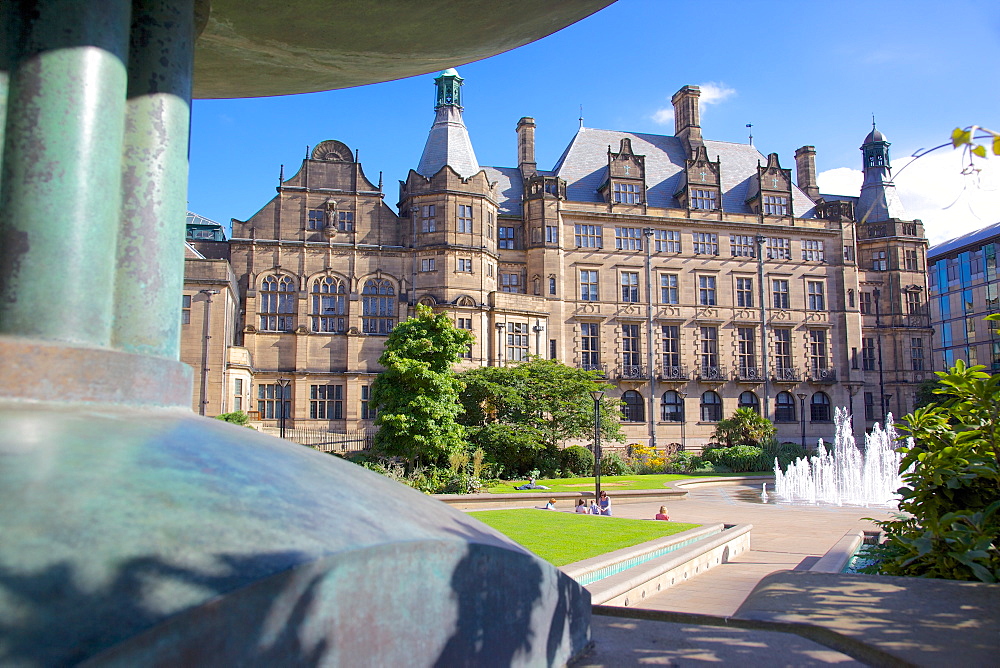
x=750 y=127
x=873 y=120
x=581 y=116
x=281 y=175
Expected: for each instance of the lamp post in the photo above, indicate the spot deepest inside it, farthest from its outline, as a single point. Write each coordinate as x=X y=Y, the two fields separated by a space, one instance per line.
x=876 y=293
x=597 y=396
x=851 y=391
x=802 y=415
x=501 y=327
x=206 y=337
x=283 y=383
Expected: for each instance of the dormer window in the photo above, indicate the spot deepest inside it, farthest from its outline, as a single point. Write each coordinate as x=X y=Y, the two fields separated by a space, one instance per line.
x=704 y=199
x=627 y=193
x=775 y=205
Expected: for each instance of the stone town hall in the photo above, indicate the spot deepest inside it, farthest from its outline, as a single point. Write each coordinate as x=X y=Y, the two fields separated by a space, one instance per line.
x=695 y=274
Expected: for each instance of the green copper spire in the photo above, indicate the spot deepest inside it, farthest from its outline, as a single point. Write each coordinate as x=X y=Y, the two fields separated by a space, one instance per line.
x=449 y=89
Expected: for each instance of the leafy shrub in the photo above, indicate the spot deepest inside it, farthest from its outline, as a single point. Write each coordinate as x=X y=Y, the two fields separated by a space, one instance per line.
x=236 y=417
x=577 y=460
x=785 y=453
x=613 y=464
x=952 y=474
x=745 y=427
x=516 y=449
x=683 y=462
x=738 y=458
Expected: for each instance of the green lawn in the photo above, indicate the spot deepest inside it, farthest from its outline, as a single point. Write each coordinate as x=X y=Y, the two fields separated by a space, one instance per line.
x=611 y=483
x=563 y=538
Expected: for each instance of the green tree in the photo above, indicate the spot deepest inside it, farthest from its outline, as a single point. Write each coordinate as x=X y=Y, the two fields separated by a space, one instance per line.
x=745 y=427
x=417 y=394
x=952 y=478
x=544 y=401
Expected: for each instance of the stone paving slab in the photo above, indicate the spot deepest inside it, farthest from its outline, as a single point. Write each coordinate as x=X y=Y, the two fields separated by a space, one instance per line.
x=919 y=621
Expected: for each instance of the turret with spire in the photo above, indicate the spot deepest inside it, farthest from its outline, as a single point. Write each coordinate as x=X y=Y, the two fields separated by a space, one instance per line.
x=448 y=141
x=878 y=201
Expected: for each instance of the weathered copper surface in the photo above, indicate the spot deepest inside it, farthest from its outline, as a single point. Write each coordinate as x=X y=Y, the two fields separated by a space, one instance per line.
x=278 y=47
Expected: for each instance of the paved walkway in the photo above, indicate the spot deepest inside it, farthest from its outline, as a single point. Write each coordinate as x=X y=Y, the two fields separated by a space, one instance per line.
x=784 y=537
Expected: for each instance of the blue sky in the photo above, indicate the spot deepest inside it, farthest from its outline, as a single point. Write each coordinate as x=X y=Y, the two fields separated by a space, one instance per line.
x=801 y=72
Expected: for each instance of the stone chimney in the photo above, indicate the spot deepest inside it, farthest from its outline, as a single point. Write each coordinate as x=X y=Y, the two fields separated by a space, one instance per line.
x=687 y=117
x=526 y=146
x=805 y=171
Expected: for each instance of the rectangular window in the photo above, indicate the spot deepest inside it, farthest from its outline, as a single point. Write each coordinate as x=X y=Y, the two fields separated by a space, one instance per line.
x=326 y=402
x=489 y=270
x=273 y=400
x=910 y=229
x=812 y=251
x=779 y=249
x=782 y=349
x=345 y=221
x=628 y=238
x=779 y=288
x=464 y=218
x=317 y=219
x=667 y=241
x=630 y=286
x=505 y=237
x=865 y=304
x=917 y=354
x=464 y=264
x=742 y=245
x=913 y=305
x=590 y=355
x=706 y=290
x=237 y=394
x=868 y=354
x=186 y=310
x=368 y=411
x=589 y=236
x=747 y=351
x=552 y=285
x=668 y=288
x=704 y=199
x=551 y=234
x=428 y=264
x=627 y=193
x=775 y=205
x=464 y=323
x=631 y=356
x=671 y=340
x=817 y=299
x=428 y=218
x=817 y=349
x=709 y=350
x=588 y=285
x=552 y=349
x=510 y=282
x=910 y=260
x=517 y=341
x=880 y=261
x=870 y=406
x=744 y=292
x=705 y=243
x=848 y=253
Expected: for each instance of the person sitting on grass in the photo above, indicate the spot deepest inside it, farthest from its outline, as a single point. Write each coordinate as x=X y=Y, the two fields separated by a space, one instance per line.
x=662 y=515
x=594 y=510
x=604 y=503
x=551 y=505
x=531 y=485
x=581 y=507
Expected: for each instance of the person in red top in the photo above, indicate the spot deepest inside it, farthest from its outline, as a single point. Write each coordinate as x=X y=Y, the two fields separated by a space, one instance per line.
x=662 y=515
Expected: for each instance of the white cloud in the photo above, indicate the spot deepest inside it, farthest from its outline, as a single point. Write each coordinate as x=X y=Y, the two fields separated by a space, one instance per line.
x=711 y=93
x=933 y=189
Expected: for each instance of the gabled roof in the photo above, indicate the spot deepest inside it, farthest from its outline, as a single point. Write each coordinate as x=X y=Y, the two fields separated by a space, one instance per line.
x=584 y=165
x=510 y=188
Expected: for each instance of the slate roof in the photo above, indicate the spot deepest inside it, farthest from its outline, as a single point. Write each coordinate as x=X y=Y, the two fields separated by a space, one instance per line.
x=584 y=167
x=970 y=239
x=448 y=144
x=510 y=188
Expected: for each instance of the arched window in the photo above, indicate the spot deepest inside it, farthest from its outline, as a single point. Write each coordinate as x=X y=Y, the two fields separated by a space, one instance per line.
x=819 y=407
x=784 y=407
x=329 y=305
x=672 y=407
x=711 y=407
x=277 y=304
x=749 y=400
x=633 y=408
x=378 y=303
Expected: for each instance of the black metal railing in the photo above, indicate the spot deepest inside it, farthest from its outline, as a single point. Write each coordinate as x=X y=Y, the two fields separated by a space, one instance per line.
x=632 y=372
x=818 y=375
x=712 y=373
x=785 y=374
x=668 y=373
x=750 y=374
